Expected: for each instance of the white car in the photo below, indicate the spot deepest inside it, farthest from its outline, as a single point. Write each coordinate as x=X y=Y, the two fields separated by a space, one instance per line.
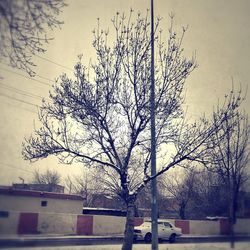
x=166 y=230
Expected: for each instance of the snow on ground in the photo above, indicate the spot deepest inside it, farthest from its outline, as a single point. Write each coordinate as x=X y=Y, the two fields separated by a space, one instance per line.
x=189 y=246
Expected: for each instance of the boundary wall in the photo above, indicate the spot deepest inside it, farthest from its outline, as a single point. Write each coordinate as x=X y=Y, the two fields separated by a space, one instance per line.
x=13 y=222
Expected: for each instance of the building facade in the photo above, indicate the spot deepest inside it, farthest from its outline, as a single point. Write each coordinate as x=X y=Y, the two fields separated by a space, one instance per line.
x=38 y=201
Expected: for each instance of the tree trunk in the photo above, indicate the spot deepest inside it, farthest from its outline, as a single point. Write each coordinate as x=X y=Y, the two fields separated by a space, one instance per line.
x=232 y=214
x=129 y=229
x=182 y=211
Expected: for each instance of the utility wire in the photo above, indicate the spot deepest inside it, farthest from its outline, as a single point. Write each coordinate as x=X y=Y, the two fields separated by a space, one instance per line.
x=58 y=64
x=42 y=77
x=21 y=108
x=45 y=78
x=16 y=99
x=22 y=92
x=13 y=72
x=12 y=166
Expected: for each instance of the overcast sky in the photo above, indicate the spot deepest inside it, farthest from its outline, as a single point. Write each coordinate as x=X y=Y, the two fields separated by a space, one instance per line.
x=218 y=32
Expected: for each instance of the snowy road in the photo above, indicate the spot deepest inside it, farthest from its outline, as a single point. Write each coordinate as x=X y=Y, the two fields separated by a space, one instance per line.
x=200 y=246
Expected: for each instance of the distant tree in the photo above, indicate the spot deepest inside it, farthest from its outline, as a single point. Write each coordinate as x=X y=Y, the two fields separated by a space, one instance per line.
x=143 y=202
x=230 y=154
x=191 y=193
x=23 y=28
x=204 y=202
x=86 y=184
x=181 y=189
x=50 y=177
x=104 y=121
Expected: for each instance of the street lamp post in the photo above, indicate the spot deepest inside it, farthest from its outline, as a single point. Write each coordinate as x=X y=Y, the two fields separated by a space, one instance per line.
x=154 y=210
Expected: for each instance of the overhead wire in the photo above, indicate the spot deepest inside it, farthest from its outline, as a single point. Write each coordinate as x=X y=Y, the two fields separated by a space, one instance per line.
x=30 y=78
x=19 y=100
x=25 y=93
x=45 y=78
x=42 y=77
x=18 y=107
x=12 y=166
x=58 y=64
x=10 y=88
x=19 y=91
x=22 y=92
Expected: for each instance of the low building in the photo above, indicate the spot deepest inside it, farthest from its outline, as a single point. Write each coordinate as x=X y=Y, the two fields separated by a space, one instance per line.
x=39 y=202
x=30 y=212
x=39 y=187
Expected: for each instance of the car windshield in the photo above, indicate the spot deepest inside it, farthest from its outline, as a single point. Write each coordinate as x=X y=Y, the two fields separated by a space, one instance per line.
x=167 y=224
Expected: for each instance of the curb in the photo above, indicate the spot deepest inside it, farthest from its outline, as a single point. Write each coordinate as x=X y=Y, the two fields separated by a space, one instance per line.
x=31 y=241
x=211 y=238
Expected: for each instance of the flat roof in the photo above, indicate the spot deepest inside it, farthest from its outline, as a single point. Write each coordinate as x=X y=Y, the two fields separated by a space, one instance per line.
x=39 y=194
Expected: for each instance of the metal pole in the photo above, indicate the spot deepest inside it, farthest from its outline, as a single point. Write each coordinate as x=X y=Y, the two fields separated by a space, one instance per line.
x=154 y=210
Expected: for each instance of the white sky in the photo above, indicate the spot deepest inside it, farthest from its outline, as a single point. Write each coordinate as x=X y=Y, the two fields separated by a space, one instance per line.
x=218 y=31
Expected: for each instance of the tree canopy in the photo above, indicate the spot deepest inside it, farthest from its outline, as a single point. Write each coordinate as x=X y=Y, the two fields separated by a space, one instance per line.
x=102 y=117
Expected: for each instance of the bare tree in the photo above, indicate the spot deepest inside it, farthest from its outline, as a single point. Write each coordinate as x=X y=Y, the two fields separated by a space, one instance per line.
x=23 y=26
x=181 y=188
x=204 y=202
x=87 y=184
x=104 y=120
x=230 y=155
x=192 y=192
x=49 y=177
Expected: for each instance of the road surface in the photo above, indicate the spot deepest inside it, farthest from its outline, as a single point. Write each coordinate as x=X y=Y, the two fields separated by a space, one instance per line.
x=163 y=246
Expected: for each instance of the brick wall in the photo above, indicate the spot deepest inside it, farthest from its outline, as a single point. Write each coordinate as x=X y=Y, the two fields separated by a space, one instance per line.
x=67 y=224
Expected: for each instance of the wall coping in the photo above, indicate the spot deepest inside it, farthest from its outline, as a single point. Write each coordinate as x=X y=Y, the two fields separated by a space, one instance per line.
x=39 y=194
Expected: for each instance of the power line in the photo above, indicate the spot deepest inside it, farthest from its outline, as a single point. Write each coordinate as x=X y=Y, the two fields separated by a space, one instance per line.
x=16 y=99
x=21 y=108
x=19 y=91
x=43 y=77
x=13 y=72
x=12 y=166
x=58 y=64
